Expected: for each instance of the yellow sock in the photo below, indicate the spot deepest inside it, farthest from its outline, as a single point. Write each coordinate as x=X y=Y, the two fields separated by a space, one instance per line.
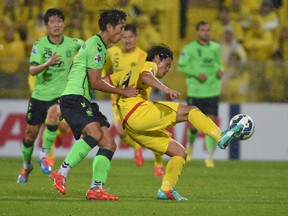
x=203 y=123
x=51 y=152
x=127 y=139
x=158 y=159
x=172 y=172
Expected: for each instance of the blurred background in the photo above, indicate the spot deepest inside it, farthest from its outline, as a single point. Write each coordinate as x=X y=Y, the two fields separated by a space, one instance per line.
x=253 y=37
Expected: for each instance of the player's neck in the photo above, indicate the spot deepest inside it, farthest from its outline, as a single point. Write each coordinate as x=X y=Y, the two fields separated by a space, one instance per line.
x=128 y=50
x=56 y=39
x=203 y=42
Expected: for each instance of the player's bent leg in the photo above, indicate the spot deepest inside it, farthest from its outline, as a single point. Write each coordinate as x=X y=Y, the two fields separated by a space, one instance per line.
x=173 y=171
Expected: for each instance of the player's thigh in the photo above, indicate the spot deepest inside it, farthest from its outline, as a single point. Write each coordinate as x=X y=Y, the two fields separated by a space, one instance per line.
x=156 y=141
x=154 y=116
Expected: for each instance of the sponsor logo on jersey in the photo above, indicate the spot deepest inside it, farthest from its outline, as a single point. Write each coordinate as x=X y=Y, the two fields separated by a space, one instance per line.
x=98 y=58
x=34 y=51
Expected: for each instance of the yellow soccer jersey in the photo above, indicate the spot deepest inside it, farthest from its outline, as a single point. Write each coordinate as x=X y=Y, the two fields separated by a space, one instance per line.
x=126 y=78
x=119 y=61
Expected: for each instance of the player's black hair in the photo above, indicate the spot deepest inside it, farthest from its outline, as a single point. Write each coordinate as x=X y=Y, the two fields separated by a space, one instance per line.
x=130 y=27
x=162 y=50
x=201 y=23
x=110 y=16
x=53 y=12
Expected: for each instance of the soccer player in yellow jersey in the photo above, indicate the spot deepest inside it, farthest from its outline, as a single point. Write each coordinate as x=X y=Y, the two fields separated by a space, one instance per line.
x=123 y=58
x=146 y=121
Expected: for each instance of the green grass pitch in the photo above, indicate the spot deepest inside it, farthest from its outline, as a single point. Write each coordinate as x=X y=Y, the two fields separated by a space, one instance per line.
x=231 y=188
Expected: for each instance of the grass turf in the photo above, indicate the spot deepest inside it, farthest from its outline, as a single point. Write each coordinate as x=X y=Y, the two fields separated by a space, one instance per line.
x=231 y=188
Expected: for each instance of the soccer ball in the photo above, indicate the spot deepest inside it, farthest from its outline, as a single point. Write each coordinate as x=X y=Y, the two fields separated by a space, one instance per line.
x=248 y=123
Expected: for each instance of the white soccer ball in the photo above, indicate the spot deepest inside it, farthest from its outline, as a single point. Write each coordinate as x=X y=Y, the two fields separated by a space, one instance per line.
x=248 y=123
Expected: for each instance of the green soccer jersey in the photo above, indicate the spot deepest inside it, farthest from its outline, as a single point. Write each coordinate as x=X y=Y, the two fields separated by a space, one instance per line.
x=92 y=55
x=196 y=59
x=50 y=83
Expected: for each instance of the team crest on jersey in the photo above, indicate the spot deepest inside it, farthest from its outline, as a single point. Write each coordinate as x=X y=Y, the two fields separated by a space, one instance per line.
x=152 y=71
x=98 y=58
x=34 y=51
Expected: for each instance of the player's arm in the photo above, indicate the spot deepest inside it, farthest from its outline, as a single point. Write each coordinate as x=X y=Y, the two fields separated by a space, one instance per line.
x=219 y=62
x=148 y=79
x=35 y=69
x=101 y=85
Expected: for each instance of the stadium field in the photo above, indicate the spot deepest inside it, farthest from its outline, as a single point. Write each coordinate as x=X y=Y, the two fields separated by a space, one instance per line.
x=231 y=188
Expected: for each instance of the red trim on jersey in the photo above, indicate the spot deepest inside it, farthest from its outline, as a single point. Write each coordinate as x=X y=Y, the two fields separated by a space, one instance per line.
x=130 y=113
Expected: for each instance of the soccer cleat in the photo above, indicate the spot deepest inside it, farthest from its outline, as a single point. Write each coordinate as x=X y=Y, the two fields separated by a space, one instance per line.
x=138 y=158
x=51 y=161
x=159 y=171
x=209 y=162
x=99 y=194
x=228 y=135
x=23 y=177
x=59 y=181
x=45 y=166
x=189 y=153
x=169 y=195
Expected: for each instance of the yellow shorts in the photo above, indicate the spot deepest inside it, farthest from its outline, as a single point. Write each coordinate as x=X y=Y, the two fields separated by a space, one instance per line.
x=147 y=124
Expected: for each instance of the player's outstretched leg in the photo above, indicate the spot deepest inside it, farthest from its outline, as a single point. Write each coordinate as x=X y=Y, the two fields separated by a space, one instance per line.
x=228 y=135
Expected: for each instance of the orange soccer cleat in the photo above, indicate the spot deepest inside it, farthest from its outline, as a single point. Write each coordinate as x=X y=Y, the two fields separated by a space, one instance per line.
x=159 y=171
x=138 y=158
x=59 y=181
x=100 y=194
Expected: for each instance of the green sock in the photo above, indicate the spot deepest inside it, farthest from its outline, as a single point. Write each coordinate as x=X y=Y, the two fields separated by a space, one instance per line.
x=27 y=152
x=210 y=144
x=101 y=168
x=48 y=138
x=191 y=137
x=78 y=152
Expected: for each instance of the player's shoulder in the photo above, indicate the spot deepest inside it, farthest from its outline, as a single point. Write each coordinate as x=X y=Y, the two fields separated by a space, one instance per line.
x=76 y=41
x=139 y=50
x=41 y=40
x=114 y=49
x=214 y=44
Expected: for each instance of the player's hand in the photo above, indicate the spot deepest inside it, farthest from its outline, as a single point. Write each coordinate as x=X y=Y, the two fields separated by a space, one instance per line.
x=202 y=77
x=130 y=91
x=220 y=74
x=54 y=60
x=174 y=94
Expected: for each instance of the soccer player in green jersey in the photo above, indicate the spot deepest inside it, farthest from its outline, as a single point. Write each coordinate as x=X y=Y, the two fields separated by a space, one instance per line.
x=83 y=116
x=50 y=60
x=200 y=61
x=147 y=121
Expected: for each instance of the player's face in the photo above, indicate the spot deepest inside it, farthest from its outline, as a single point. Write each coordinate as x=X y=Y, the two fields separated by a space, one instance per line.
x=204 y=32
x=129 y=40
x=116 y=32
x=55 y=26
x=163 y=67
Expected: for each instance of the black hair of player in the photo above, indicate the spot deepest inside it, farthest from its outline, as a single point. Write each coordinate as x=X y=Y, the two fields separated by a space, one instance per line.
x=110 y=16
x=162 y=50
x=201 y=23
x=131 y=27
x=53 y=12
